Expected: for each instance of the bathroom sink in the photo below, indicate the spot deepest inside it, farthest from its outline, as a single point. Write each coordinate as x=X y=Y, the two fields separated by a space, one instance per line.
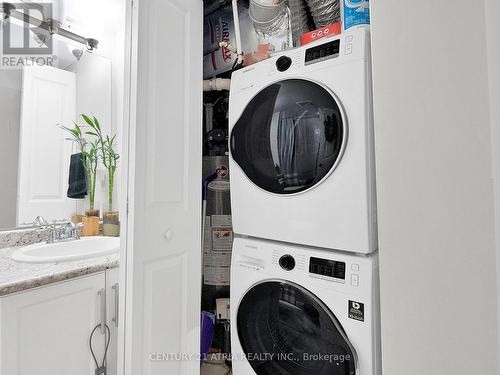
x=86 y=247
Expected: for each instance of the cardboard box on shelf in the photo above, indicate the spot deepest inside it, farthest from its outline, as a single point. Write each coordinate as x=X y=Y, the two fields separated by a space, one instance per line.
x=323 y=32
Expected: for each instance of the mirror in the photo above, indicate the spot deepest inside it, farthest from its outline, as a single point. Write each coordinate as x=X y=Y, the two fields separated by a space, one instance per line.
x=35 y=101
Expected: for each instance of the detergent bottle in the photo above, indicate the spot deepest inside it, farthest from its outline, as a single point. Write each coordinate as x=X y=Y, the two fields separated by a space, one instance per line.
x=354 y=13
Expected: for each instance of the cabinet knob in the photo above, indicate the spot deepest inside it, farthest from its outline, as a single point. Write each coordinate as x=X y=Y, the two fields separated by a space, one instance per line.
x=168 y=234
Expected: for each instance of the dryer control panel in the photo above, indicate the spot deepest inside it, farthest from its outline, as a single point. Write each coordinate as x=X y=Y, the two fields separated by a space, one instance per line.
x=322 y=52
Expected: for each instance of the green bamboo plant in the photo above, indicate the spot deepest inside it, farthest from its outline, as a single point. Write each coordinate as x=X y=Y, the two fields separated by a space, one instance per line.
x=91 y=155
x=110 y=161
x=107 y=153
x=89 y=151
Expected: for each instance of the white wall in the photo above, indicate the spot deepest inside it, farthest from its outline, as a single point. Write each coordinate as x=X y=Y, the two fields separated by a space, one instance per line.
x=435 y=192
x=493 y=48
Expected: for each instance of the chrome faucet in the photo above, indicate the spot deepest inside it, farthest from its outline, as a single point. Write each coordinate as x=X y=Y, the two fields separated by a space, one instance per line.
x=73 y=230
x=64 y=232
x=39 y=221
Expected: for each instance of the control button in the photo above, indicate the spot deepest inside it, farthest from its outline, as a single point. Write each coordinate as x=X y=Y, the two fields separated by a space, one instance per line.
x=354 y=280
x=287 y=262
x=355 y=267
x=348 y=49
x=348 y=38
x=283 y=63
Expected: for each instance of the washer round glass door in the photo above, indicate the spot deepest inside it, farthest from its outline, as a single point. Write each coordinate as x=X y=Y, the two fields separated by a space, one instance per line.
x=286 y=330
x=289 y=137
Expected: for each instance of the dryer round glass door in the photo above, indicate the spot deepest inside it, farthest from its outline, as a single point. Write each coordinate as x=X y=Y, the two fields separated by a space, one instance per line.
x=286 y=330
x=290 y=136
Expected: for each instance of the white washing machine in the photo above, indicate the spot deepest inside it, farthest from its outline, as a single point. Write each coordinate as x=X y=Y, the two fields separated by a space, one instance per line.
x=303 y=311
x=301 y=146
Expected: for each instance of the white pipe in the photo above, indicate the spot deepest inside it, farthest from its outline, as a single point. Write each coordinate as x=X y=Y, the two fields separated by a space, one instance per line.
x=237 y=31
x=217 y=84
x=225 y=44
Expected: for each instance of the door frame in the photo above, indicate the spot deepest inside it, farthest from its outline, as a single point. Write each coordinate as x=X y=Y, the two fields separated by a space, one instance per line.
x=127 y=192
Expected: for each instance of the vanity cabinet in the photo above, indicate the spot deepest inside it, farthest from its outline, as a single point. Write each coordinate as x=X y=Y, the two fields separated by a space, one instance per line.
x=112 y=303
x=45 y=331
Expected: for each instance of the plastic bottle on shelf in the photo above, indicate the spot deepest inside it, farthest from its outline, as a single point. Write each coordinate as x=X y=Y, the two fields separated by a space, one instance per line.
x=354 y=13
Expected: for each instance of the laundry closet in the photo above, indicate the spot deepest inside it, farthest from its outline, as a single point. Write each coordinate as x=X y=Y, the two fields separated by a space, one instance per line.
x=303 y=281
x=289 y=238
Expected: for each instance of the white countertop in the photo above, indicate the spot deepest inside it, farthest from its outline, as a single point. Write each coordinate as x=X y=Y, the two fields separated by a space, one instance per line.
x=17 y=276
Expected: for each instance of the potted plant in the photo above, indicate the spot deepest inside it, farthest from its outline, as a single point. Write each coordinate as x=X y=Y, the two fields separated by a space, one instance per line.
x=109 y=158
x=89 y=155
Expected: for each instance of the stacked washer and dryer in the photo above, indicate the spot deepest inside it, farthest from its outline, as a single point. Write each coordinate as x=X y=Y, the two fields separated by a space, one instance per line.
x=304 y=276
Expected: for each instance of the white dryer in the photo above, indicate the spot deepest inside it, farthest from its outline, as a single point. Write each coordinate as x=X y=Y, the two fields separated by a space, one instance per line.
x=298 y=311
x=301 y=146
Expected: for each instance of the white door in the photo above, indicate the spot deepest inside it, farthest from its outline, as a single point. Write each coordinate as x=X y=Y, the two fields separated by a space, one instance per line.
x=163 y=236
x=48 y=99
x=45 y=331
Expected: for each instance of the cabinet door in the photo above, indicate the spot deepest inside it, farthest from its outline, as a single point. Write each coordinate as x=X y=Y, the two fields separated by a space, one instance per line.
x=164 y=228
x=112 y=302
x=45 y=331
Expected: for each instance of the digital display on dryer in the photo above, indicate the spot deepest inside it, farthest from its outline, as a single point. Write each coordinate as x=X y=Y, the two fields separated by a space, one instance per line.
x=322 y=52
x=326 y=267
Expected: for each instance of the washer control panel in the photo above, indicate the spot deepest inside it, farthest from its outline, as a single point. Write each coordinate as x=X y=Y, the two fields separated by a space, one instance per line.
x=337 y=270
x=327 y=268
